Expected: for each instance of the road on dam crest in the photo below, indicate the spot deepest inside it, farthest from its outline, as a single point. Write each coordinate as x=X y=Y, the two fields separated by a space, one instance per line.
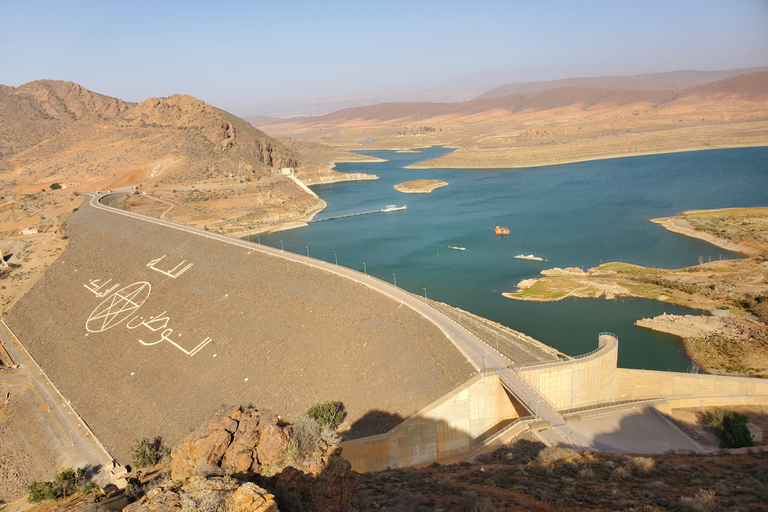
x=479 y=353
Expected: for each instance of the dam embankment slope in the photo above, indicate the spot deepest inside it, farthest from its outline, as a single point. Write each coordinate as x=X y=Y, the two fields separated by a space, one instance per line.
x=149 y=330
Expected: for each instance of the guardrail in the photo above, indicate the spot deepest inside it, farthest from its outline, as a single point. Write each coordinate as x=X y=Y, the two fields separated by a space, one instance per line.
x=552 y=364
x=615 y=403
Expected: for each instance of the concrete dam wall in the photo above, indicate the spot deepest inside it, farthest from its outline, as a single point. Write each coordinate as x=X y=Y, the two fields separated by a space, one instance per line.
x=149 y=330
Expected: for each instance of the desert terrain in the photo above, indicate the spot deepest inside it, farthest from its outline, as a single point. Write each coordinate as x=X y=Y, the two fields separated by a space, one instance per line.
x=564 y=124
x=734 y=340
x=227 y=175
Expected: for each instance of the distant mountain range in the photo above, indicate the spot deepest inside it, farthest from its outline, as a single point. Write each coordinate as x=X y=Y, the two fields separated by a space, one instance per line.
x=563 y=124
x=673 y=80
x=670 y=81
x=751 y=87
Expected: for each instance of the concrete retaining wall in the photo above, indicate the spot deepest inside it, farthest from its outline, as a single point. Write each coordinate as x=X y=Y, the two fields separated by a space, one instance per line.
x=447 y=428
x=632 y=384
x=579 y=382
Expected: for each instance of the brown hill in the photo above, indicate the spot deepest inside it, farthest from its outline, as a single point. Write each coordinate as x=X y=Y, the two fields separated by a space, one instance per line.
x=228 y=173
x=672 y=80
x=557 y=125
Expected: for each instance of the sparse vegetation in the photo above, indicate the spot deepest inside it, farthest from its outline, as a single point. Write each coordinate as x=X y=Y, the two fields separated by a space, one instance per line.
x=731 y=429
x=66 y=483
x=147 y=453
x=328 y=414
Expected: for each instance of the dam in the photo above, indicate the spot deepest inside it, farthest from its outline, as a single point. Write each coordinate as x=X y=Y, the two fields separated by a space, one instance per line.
x=149 y=328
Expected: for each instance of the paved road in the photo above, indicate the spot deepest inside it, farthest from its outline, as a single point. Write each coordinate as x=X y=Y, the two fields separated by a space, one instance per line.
x=84 y=448
x=640 y=429
x=480 y=354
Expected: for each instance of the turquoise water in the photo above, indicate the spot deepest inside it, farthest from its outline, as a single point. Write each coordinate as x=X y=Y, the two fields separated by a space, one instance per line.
x=577 y=214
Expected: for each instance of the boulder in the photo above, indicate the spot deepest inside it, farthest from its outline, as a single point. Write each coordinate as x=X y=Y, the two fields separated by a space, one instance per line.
x=249 y=497
x=206 y=494
x=272 y=446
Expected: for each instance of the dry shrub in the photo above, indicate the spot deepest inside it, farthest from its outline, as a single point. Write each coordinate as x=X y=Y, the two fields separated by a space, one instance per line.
x=621 y=473
x=701 y=501
x=641 y=465
x=586 y=474
x=554 y=453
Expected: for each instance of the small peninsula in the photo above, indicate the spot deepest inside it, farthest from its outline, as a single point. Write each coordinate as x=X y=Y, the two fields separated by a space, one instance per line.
x=733 y=340
x=419 y=186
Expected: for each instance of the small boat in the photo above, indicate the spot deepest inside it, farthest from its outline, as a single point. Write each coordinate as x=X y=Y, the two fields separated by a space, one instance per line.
x=529 y=257
x=502 y=231
x=393 y=208
x=458 y=248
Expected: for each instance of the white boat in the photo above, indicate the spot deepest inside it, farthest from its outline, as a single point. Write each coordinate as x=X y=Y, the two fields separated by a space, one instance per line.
x=393 y=208
x=458 y=248
x=529 y=257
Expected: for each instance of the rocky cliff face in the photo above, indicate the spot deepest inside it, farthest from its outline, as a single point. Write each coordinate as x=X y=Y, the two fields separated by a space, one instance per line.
x=299 y=462
x=224 y=131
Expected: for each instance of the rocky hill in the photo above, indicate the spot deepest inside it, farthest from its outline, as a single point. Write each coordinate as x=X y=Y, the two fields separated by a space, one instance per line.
x=178 y=147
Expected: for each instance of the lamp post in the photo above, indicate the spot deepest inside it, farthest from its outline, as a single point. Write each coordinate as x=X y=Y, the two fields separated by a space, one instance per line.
x=307 y=248
x=393 y=275
x=259 y=239
x=536 y=413
x=365 y=270
x=425 y=295
x=281 y=246
x=336 y=258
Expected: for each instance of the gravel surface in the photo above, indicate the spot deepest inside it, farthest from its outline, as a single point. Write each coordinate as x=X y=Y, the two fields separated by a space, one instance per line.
x=28 y=449
x=282 y=336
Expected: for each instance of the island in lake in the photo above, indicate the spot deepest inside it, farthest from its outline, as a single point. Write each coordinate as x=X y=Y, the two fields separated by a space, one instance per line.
x=419 y=186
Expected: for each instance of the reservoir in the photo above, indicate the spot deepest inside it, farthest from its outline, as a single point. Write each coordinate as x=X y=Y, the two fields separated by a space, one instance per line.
x=572 y=215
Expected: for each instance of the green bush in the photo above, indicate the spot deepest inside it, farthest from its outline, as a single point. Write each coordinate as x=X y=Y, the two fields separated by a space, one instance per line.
x=55 y=186
x=66 y=483
x=731 y=428
x=39 y=491
x=145 y=452
x=328 y=414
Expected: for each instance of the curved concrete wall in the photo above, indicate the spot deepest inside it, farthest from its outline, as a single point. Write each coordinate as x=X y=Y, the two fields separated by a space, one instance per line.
x=578 y=382
x=448 y=428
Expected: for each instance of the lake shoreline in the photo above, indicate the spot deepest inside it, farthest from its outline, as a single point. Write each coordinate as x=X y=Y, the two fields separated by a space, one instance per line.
x=546 y=163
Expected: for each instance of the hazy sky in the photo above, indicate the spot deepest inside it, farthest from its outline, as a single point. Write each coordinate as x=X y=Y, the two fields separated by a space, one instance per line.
x=237 y=54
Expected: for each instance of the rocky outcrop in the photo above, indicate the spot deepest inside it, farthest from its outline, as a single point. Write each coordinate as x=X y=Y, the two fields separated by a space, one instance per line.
x=223 y=130
x=301 y=458
x=214 y=493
